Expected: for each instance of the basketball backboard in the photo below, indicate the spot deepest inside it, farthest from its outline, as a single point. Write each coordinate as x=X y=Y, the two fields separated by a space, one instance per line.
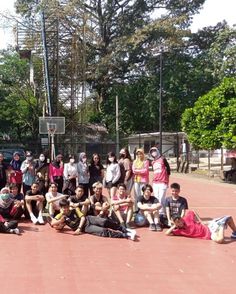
x=52 y=125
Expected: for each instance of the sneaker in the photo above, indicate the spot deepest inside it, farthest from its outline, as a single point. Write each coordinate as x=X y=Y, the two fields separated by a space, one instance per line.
x=15 y=231
x=233 y=236
x=128 y=226
x=152 y=227
x=34 y=219
x=131 y=234
x=40 y=220
x=158 y=228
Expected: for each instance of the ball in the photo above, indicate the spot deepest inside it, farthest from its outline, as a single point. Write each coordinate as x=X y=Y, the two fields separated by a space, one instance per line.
x=140 y=220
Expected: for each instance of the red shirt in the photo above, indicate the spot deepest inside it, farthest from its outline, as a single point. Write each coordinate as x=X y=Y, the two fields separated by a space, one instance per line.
x=193 y=229
x=159 y=171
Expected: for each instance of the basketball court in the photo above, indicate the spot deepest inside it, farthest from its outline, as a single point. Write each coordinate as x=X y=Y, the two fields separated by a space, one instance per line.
x=43 y=261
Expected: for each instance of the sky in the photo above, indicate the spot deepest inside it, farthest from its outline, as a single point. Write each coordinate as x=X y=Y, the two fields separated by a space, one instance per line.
x=213 y=11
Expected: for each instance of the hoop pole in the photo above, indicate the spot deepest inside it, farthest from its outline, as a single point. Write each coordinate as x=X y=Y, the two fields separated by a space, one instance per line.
x=53 y=154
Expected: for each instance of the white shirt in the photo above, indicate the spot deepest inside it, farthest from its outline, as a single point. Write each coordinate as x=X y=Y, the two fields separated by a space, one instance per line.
x=70 y=170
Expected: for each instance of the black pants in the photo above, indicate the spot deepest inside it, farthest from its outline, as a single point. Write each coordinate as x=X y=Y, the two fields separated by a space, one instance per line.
x=103 y=227
x=6 y=228
x=59 y=181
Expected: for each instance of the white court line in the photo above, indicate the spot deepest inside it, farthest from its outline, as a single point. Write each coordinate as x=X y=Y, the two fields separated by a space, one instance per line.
x=213 y=207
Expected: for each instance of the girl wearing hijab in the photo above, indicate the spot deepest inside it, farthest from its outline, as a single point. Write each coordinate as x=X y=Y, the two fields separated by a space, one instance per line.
x=42 y=170
x=70 y=176
x=15 y=174
x=56 y=169
x=83 y=172
x=141 y=174
x=8 y=207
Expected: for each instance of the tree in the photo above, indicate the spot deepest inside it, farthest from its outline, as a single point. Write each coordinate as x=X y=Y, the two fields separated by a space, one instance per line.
x=20 y=109
x=211 y=123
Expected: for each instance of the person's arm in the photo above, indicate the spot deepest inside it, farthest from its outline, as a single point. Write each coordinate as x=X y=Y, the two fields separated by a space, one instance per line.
x=168 y=215
x=167 y=166
x=58 y=222
x=80 y=227
x=170 y=230
x=51 y=173
x=53 y=199
x=121 y=201
x=65 y=172
x=183 y=212
x=24 y=167
x=117 y=173
x=34 y=197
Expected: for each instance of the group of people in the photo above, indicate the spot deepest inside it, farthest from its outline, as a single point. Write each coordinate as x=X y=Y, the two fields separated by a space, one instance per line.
x=72 y=193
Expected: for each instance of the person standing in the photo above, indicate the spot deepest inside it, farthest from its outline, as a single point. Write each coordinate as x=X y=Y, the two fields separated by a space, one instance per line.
x=112 y=174
x=70 y=176
x=56 y=168
x=161 y=173
x=15 y=173
x=125 y=163
x=42 y=173
x=140 y=169
x=83 y=172
x=28 y=171
x=3 y=172
x=96 y=171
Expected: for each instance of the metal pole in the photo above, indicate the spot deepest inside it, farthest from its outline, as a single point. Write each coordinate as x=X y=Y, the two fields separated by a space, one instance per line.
x=45 y=58
x=160 y=101
x=117 y=127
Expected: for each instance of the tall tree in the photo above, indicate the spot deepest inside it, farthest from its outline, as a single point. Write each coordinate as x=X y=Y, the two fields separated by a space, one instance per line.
x=211 y=123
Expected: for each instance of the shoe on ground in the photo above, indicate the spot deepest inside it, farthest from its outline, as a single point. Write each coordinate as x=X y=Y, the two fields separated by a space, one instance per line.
x=41 y=220
x=152 y=227
x=15 y=231
x=131 y=234
x=233 y=236
x=34 y=219
x=128 y=226
x=158 y=228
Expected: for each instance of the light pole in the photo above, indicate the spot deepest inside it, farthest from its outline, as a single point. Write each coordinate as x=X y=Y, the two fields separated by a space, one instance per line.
x=160 y=101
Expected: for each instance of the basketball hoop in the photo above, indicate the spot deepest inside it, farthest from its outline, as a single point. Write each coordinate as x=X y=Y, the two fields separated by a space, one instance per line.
x=52 y=128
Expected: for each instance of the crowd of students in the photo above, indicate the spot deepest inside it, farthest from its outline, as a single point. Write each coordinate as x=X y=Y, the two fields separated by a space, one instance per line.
x=72 y=195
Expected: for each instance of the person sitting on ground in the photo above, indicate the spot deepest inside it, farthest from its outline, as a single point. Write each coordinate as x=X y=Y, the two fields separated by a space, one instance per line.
x=99 y=203
x=175 y=204
x=149 y=206
x=9 y=227
x=80 y=200
x=192 y=226
x=98 y=226
x=53 y=197
x=8 y=210
x=34 y=204
x=18 y=198
x=122 y=206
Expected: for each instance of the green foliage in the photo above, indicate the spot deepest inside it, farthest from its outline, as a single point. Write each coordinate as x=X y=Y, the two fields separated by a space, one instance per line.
x=211 y=123
x=19 y=107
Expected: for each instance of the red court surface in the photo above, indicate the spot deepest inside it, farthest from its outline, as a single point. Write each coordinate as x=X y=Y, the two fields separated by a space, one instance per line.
x=43 y=261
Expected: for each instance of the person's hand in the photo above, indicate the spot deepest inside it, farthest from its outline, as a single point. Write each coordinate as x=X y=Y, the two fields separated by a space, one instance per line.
x=106 y=206
x=17 y=203
x=78 y=232
x=170 y=223
x=39 y=174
